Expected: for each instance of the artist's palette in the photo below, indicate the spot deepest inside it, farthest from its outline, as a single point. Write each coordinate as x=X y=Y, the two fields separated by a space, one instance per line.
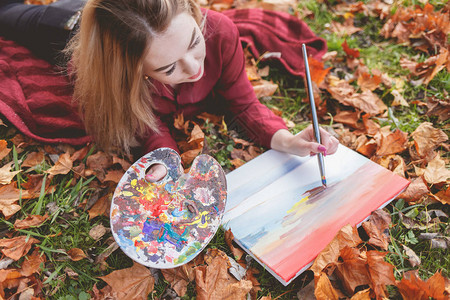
x=166 y=224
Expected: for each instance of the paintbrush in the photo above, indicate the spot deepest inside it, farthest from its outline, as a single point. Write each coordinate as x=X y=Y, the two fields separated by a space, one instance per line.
x=314 y=115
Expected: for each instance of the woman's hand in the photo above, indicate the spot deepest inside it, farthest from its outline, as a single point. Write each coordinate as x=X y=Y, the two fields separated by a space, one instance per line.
x=304 y=143
x=156 y=172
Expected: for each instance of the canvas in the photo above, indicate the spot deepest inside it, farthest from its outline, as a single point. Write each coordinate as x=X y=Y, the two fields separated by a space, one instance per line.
x=277 y=215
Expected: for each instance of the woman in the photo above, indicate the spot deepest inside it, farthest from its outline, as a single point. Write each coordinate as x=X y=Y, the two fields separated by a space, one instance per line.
x=138 y=62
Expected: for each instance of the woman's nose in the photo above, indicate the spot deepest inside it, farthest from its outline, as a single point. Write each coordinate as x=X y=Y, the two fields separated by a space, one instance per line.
x=190 y=65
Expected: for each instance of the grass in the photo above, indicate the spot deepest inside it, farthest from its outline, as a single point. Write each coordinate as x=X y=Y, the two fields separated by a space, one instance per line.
x=68 y=224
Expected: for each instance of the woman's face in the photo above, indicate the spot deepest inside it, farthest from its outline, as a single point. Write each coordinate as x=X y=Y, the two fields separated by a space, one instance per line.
x=176 y=55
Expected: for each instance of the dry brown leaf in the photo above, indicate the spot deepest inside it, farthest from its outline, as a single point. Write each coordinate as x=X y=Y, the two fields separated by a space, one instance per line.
x=33 y=159
x=97 y=232
x=105 y=254
x=347 y=236
x=214 y=282
x=381 y=272
x=4 y=150
x=180 y=277
x=362 y=295
x=394 y=162
x=125 y=164
x=394 y=142
x=136 y=282
x=345 y=29
x=114 y=175
x=100 y=207
x=264 y=88
x=439 y=108
x=352 y=271
x=415 y=190
x=237 y=253
x=32 y=263
x=6 y=176
x=436 y=171
x=76 y=254
x=62 y=166
x=427 y=138
x=17 y=247
x=413 y=259
x=350 y=118
x=443 y=196
x=368 y=82
x=377 y=228
x=30 y=221
x=9 y=195
x=324 y=290
x=371 y=126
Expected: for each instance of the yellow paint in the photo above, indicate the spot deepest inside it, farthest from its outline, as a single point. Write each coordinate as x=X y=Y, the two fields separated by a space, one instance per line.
x=198 y=220
x=133 y=182
x=127 y=193
x=296 y=205
x=163 y=217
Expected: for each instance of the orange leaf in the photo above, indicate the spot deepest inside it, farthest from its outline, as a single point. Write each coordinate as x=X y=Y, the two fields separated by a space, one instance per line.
x=17 y=247
x=352 y=53
x=392 y=143
x=324 y=290
x=349 y=118
x=136 y=282
x=347 y=236
x=114 y=175
x=345 y=29
x=416 y=190
x=411 y=287
x=180 y=277
x=30 y=221
x=4 y=150
x=264 y=88
x=368 y=82
x=362 y=295
x=32 y=264
x=318 y=72
x=62 y=166
x=100 y=207
x=352 y=271
x=9 y=195
x=33 y=159
x=443 y=196
x=377 y=228
x=436 y=171
x=76 y=254
x=381 y=272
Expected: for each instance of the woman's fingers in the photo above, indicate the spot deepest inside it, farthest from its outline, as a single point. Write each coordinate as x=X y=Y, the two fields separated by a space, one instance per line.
x=156 y=172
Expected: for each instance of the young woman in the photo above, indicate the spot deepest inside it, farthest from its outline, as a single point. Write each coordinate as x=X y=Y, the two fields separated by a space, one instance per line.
x=136 y=63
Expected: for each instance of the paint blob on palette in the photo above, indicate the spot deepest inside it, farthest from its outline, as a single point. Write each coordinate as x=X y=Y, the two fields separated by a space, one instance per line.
x=167 y=223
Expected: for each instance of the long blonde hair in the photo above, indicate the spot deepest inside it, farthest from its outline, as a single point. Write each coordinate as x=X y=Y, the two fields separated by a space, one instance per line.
x=107 y=60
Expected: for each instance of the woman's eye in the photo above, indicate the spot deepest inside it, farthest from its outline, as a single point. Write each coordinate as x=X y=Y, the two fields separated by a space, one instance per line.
x=196 y=42
x=171 y=70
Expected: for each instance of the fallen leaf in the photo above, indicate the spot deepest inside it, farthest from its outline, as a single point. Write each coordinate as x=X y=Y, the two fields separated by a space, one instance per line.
x=317 y=70
x=181 y=276
x=97 y=232
x=393 y=162
x=413 y=287
x=237 y=253
x=114 y=175
x=381 y=272
x=352 y=271
x=398 y=99
x=350 y=118
x=368 y=82
x=362 y=295
x=4 y=150
x=438 y=108
x=100 y=207
x=345 y=29
x=352 y=53
x=264 y=88
x=436 y=171
x=427 y=138
x=443 y=196
x=125 y=164
x=97 y=164
x=394 y=142
x=136 y=282
x=415 y=190
x=17 y=247
x=100 y=259
x=324 y=290
x=76 y=254
x=80 y=154
x=377 y=228
x=33 y=159
x=413 y=259
x=9 y=195
x=32 y=264
x=30 y=221
x=6 y=176
x=62 y=166
x=347 y=236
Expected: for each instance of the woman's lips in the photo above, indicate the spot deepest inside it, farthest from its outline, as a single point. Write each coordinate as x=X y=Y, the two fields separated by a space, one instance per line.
x=196 y=75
